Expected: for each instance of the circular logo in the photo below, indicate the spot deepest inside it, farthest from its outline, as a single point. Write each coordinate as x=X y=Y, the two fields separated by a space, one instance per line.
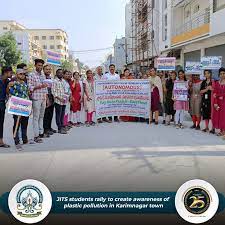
x=30 y=201
x=197 y=201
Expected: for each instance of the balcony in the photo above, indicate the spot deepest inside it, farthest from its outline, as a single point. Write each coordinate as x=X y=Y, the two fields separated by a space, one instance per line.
x=193 y=29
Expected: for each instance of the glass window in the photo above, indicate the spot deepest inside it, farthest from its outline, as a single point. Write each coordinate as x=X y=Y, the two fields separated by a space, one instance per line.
x=52 y=38
x=5 y=28
x=44 y=46
x=36 y=38
x=59 y=37
x=43 y=37
x=52 y=47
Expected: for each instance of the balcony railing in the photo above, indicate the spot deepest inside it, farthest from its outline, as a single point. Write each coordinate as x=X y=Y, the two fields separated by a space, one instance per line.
x=193 y=24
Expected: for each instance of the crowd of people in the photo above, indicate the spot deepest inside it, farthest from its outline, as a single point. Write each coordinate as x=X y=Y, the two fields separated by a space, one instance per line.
x=67 y=94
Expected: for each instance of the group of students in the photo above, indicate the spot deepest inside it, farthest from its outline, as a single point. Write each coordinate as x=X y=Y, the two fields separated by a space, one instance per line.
x=68 y=94
x=206 y=99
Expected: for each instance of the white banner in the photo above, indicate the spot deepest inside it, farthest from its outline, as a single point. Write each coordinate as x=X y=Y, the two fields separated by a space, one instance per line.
x=123 y=98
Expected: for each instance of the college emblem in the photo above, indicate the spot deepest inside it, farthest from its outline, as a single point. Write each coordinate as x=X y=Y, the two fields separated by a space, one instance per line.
x=197 y=201
x=30 y=201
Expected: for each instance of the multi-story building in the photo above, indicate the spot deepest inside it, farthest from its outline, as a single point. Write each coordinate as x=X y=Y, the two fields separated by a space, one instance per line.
x=55 y=40
x=145 y=32
x=120 y=53
x=191 y=29
x=29 y=48
x=128 y=34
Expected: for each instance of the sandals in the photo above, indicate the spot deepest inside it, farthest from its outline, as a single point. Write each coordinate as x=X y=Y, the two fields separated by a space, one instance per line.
x=4 y=146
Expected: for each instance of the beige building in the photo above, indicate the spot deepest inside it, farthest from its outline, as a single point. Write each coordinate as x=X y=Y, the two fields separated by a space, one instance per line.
x=55 y=40
x=29 y=47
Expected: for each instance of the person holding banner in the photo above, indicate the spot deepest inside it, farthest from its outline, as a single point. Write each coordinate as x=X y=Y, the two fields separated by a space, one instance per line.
x=180 y=98
x=4 y=81
x=112 y=75
x=89 y=102
x=195 y=100
x=206 y=92
x=218 y=102
x=20 y=89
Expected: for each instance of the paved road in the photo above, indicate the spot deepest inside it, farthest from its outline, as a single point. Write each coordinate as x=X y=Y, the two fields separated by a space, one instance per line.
x=116 y=157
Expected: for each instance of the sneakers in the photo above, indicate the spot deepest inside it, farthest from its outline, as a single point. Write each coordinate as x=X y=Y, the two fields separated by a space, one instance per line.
x=38 y=140
x=193 y=127
x=44 y=135
x=19 y=147
x=62 y=131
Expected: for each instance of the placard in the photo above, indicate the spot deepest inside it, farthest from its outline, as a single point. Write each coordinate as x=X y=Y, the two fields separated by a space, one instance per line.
x=211 y=62
x=193 y=68
x=166 y=64
x=19 y=106
x=180 y=91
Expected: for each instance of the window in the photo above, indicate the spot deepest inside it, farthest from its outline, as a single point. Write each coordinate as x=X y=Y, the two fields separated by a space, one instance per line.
x=36 y=38
x=165 y=24
x=59 y=46
x=218 y=5
x=5 y=28
x=196 y=8
x=43 y=37
x=44 y=46
x=52 y=38
x=59 y=37
x=52 y=47
x=165 y=4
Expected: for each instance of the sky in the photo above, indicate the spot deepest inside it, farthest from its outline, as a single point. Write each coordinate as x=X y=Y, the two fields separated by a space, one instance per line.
x=90 y=24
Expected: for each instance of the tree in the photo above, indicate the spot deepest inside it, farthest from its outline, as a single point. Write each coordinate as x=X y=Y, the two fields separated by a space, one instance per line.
x=67 y=65
x=9 y=54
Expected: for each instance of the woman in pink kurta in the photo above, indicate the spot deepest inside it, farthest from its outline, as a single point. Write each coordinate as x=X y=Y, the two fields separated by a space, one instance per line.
x=180 y=106
x=218 y=103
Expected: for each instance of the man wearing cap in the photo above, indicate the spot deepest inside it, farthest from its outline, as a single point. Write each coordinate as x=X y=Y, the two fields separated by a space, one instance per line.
x=39 y=93
x=19 y=88
x=4 y=81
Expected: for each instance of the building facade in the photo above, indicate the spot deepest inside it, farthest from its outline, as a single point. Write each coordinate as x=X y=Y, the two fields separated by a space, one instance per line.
x=55 y=40
x=145 y=33
x=29 y=47
x=120 y=54
x=193 y=29
x=128 y=34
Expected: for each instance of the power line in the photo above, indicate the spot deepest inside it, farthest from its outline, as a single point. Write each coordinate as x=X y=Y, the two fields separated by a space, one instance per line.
x=92 y=50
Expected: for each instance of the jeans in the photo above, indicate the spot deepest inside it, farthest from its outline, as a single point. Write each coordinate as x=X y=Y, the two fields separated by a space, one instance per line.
x=59 y=115
x=2 y=118
x=48 y=118
x=23 y=124
x=38 y=116
x=179 y=116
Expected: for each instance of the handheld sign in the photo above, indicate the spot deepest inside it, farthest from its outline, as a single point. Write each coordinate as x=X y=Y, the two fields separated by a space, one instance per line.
x=180 y=91
x=193 y=68
x=19 y=106
x=166 y=64
x=211 y=62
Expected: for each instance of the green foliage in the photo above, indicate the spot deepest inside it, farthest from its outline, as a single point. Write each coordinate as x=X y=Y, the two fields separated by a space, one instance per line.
x=9 y=54
x=67 y=65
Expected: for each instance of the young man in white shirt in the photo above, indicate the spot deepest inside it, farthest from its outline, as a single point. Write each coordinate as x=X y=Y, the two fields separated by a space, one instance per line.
x=112 y=75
